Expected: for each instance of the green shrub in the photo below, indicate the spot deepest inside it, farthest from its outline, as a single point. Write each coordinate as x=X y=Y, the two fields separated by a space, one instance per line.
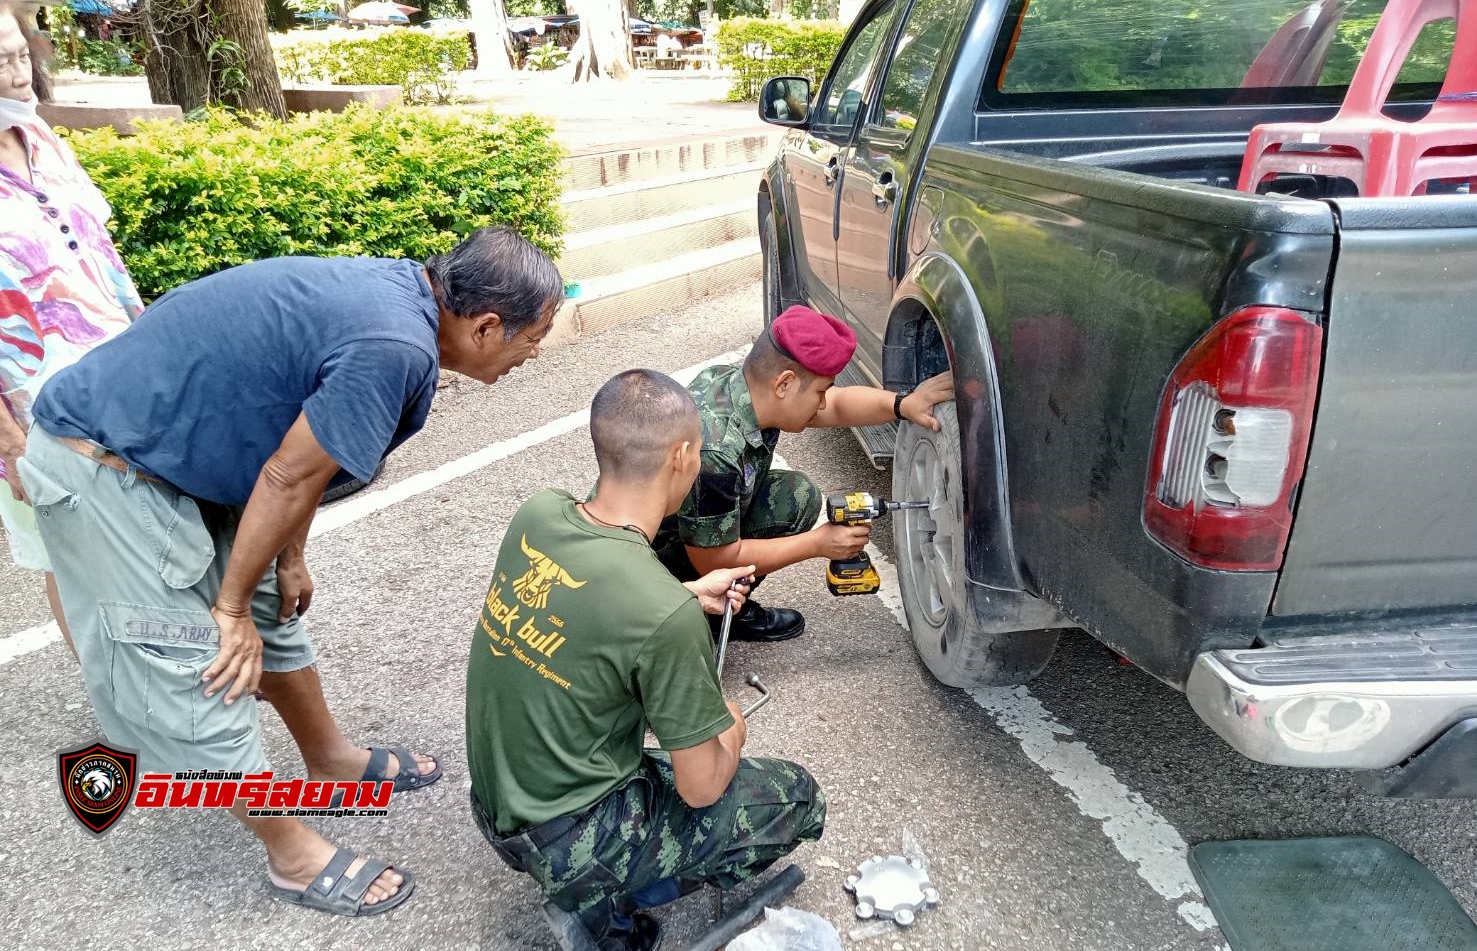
x=103 y=58
x=193 y=198
x=757 y=50
x=544 y=57
x=422 y=64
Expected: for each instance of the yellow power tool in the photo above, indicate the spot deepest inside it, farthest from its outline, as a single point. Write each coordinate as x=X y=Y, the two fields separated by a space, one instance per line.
x=856 y=575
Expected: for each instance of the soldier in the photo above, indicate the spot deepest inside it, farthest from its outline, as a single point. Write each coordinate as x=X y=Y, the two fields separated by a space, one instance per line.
x=585 y=640
x=741 y=511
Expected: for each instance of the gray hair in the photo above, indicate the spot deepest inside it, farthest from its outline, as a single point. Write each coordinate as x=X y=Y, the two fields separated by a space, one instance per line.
x=635 y=419
x=496 y=270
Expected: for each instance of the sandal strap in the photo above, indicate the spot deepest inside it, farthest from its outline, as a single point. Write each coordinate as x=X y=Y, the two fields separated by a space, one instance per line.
x=374 y=772
x=357 y=887
x=326 y=882
x=410 y=770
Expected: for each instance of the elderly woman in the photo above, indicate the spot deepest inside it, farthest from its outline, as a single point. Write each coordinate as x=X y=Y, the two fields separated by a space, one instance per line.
x=63 y=288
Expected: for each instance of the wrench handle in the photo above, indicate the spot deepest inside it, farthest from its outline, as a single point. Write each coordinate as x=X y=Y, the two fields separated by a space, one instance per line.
x=764 y=695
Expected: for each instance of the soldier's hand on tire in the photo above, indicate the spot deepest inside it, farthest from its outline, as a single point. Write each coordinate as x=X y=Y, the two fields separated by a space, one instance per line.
x=840 y=541
x=918 y=405
x=239 y=663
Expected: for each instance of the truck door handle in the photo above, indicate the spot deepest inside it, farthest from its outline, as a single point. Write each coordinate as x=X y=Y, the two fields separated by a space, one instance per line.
x=833 y=169
x=885 y=190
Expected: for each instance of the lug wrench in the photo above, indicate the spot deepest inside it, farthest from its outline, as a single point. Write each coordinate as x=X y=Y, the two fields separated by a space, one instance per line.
x=753 y=679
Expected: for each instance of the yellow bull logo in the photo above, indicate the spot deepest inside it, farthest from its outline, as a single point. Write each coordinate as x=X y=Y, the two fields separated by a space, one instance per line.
x=533 y=587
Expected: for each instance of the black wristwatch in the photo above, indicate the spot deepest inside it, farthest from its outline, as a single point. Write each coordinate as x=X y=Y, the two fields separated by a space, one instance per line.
x=897 y=405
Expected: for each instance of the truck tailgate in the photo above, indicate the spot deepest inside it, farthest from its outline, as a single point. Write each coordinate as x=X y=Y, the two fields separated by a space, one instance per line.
x=1387 y=517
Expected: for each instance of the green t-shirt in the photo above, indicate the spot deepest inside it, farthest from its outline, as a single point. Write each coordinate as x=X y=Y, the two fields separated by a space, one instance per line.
x=584 y=640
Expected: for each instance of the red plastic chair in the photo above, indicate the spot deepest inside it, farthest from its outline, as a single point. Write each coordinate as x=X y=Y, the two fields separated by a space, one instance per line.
x=1296 y=54
x=1380 y=155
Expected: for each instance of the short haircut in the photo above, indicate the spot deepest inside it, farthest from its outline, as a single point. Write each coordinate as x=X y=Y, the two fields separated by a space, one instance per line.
x=766 y=361
x=635 y=419
x=496 y=271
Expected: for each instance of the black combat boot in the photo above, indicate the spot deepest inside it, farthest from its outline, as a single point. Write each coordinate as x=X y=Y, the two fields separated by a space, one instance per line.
x=755 y=622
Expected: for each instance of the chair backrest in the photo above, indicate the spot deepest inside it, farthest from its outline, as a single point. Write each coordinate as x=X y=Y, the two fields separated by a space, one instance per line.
x=1296 y=54
x=1399 y=26
x=1458 y=98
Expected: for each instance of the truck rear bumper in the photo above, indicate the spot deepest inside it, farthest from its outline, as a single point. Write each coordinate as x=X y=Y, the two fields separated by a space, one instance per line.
x=1345 y=698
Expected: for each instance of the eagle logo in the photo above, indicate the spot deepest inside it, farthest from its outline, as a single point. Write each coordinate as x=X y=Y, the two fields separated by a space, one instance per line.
x=533 y=587
x=97 y=784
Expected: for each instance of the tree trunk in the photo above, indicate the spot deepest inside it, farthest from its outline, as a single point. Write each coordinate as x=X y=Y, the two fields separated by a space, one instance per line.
x=174 y=56
x=244 y=22
x=490 y=26
x=603 y=50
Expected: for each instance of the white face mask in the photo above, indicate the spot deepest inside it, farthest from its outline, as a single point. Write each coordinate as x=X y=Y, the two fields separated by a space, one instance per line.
x=15 y=112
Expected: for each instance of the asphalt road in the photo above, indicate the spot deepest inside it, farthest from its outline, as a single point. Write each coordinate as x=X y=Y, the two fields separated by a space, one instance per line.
x=1054 y=817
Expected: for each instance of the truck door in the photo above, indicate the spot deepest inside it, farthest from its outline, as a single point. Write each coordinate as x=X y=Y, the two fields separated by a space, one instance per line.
x=876 y=177
x=816 y=166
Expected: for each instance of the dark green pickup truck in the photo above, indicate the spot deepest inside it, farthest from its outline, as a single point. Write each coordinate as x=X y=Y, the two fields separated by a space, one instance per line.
x=1230 y=435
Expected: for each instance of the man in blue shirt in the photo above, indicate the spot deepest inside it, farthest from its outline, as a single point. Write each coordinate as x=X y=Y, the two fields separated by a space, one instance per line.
x=176 y=470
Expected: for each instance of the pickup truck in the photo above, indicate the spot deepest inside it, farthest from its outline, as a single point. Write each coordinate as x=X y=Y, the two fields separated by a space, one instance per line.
x=1230 y=435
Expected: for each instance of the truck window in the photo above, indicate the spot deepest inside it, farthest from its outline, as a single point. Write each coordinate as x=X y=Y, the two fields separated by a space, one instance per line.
x=916 y=58
x=843 y=102
x=1104 y=53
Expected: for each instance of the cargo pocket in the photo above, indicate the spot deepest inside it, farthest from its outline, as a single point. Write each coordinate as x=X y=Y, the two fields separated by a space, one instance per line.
x=46 y=493
x=158 y=656
x=182 y=546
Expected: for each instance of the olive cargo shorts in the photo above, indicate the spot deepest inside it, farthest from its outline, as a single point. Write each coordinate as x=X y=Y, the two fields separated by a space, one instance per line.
x=138 y=565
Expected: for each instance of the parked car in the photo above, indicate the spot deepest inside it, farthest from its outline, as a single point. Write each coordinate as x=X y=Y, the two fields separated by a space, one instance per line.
x=1229 y=435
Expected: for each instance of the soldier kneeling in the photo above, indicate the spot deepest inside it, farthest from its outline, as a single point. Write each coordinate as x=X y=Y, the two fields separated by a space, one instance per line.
x=585 y=641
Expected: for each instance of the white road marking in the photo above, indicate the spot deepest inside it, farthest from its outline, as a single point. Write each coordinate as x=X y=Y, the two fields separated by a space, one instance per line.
x=31 y=639
x=370 y=501
x=1140 y=834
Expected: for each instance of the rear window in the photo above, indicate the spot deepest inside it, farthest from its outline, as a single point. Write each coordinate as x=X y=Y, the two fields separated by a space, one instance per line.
x=1104 y=53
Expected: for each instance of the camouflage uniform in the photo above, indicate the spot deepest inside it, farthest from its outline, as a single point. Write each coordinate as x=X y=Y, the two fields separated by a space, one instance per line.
x=736 y=494
x=642 y=845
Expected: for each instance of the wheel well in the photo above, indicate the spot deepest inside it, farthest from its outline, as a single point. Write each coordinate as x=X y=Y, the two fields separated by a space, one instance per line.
x=914 y=348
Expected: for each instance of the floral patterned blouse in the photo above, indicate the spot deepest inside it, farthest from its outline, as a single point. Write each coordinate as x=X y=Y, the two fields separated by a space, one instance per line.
x=63 y=288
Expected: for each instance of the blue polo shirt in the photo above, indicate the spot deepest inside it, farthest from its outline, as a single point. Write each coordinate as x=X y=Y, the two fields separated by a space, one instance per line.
x=202 y=388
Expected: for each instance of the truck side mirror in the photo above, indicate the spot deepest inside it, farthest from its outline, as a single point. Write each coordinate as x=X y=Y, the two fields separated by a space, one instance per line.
x=785 y=101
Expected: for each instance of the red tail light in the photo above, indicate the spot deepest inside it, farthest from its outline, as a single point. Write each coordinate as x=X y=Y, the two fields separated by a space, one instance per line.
x=1232 y=439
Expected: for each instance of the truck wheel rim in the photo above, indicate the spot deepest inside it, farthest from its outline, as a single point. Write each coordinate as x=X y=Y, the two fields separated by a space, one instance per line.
x=932 y=535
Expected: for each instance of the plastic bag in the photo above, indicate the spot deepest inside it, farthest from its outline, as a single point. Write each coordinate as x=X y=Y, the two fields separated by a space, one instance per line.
x=789 y=929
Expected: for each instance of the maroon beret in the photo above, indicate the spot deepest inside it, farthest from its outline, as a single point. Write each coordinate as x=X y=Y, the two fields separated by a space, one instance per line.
x=818 y=342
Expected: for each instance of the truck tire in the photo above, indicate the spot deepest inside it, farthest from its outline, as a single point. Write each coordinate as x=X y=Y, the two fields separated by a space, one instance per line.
x=946 y=614
x=769 y=239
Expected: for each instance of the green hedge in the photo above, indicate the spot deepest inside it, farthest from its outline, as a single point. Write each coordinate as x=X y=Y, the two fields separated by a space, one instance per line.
x=422 y=64
x=193 y=198
x=757 y=50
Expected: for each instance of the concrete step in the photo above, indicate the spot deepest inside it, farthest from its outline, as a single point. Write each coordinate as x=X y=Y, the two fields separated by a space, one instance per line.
x=645 y=161
x=635 y=292
x=595 y=208
x=610 y=250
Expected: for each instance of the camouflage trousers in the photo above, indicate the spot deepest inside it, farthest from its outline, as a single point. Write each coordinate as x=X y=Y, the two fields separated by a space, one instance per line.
x=785 y=503
x=642 y=845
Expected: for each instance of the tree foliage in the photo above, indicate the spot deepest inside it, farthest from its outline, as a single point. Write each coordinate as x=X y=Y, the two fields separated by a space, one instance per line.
x=1115 y=45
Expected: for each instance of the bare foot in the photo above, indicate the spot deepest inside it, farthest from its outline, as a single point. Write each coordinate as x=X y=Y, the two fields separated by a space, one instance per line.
x=297 y=872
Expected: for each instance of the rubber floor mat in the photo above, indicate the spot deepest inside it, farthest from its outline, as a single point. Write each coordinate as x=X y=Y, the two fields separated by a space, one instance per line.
x=1351 y=893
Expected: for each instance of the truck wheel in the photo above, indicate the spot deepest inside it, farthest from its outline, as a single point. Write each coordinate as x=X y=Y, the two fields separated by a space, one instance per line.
x=946 y=614
x=769 y=238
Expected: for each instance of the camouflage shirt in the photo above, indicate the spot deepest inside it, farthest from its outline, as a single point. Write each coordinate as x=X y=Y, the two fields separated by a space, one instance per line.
x=736 y=458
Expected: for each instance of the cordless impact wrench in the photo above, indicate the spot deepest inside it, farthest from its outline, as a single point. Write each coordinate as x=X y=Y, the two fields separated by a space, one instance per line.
x=856 y=575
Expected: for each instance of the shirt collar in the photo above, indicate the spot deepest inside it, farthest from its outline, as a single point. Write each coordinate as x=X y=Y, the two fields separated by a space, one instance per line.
x=739 y=397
